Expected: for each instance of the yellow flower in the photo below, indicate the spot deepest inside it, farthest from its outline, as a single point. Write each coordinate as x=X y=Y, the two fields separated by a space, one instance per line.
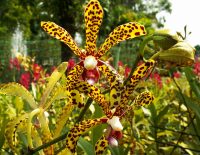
x=90 y=56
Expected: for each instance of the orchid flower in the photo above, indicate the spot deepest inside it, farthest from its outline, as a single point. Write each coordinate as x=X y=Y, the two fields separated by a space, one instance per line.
x=120 y=94
x=90 y=56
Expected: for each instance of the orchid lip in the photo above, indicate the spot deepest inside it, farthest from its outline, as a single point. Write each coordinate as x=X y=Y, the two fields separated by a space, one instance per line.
x=115 y=123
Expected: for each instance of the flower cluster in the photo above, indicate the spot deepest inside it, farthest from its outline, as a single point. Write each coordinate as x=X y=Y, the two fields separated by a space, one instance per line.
x=28 y=70
x=88 y=70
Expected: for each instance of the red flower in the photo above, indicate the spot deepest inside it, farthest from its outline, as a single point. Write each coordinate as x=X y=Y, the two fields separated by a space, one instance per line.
x=177 y=74
x=196 y=69
x=25 y=79
x=157 y=79
x=127 y=71
x=36 y=72
x=120 y=63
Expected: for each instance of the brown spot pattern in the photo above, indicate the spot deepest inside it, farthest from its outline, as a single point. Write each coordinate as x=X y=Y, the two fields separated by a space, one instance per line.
x=101 y=145
x=115 y=83
x=121 y=33
x=95 y=94
x=93 y=20
x=78 y=130
x=61 y=34
x=144 y=98
x=138 y=74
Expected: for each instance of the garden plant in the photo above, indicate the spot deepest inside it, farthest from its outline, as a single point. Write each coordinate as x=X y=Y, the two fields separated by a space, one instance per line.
x=93 y=108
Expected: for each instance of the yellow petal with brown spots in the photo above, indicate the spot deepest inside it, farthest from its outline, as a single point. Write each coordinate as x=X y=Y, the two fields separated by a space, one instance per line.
x=80 y=129
x=145 y=98
x=73 y=76
x=95 y=94
x=140 y=72
x=115 y=81
x=61 y=34
x=93 y=20
x=121 y=33
x=101 y=145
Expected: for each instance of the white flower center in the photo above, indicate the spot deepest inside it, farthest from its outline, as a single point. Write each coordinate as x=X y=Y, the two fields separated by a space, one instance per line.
x=90 y=62
x=115 y=123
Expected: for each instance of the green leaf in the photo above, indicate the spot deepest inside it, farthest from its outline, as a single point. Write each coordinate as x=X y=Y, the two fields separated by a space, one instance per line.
x=153 y=111
x=86 y=146
x=118 y=150
x=97 y=131
x=53 y=79
x=16 y=89
x=162 y=113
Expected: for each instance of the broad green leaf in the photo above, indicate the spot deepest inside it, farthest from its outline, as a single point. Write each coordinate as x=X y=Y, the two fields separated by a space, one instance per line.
x=62 y=118
x=153 y=111
x=57 y=94
x=16 y=89
x=55 y=76
x=86 y=146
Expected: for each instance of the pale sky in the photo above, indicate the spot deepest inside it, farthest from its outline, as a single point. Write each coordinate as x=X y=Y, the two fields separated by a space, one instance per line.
x=185 y=12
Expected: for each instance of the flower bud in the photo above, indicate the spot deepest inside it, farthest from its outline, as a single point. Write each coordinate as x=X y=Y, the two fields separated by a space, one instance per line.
x=165 y=39
x=181 y=54
x=112 y=142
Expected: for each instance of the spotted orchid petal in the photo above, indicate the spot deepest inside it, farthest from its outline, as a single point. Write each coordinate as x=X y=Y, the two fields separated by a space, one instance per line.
x=140 y=72
x=101 y=145
x=93 y=20
x=95 y=94
x=115 y=81
x=80 y=129
x=144 y=98
x=77 y=98
x=61 y=34
x=73 y=76
x=121 y=33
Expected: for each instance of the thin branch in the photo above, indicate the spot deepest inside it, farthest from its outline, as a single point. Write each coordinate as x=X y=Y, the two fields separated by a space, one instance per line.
x=87 y=105
x=62 y=137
